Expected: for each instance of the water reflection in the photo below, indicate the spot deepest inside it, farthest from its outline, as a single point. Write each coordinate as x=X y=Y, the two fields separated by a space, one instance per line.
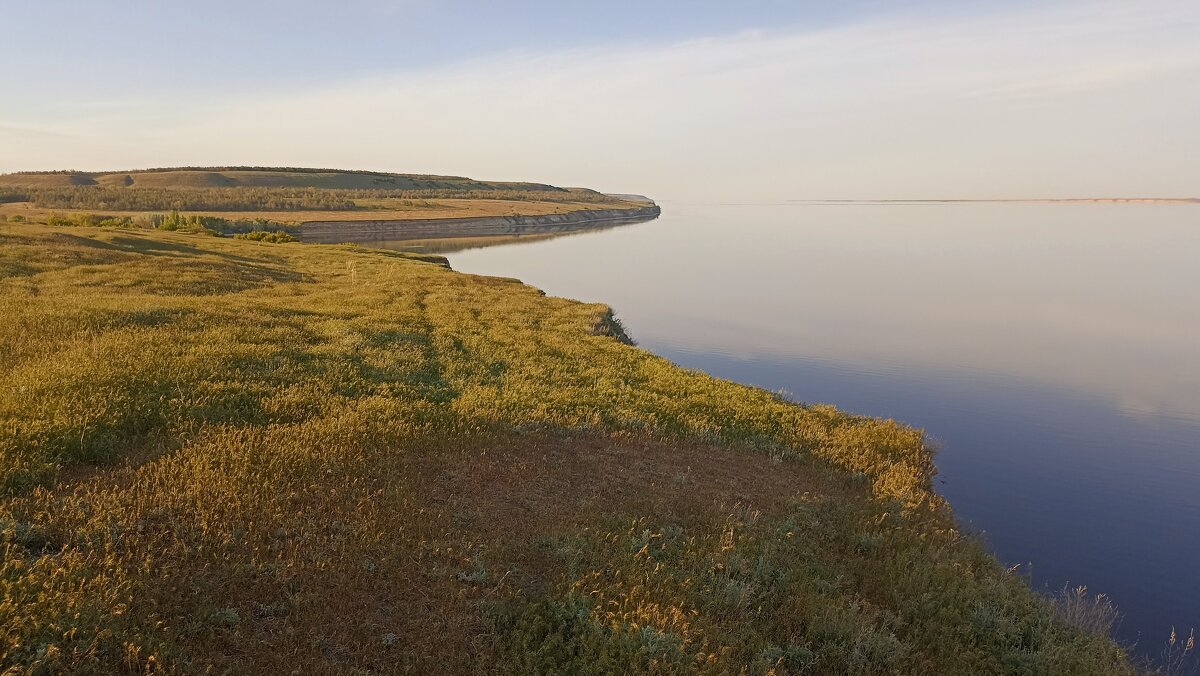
x=1053 y=350
x=448 y=245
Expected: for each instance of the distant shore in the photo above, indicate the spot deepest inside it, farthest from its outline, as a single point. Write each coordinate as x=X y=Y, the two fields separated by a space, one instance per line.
x=334 y=231
x=1068 y=200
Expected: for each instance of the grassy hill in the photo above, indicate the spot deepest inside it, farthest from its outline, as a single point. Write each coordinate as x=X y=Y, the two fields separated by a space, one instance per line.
x=260 y=177
x=282 y=195
x=226 y=455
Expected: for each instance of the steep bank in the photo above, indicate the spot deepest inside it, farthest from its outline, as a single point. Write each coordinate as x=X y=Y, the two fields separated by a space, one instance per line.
x=224 y=455
x=329 y=232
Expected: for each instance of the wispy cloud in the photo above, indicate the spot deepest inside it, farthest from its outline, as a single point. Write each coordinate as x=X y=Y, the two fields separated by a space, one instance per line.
x=1076 y=99
x=115 y=104
x=25 y=130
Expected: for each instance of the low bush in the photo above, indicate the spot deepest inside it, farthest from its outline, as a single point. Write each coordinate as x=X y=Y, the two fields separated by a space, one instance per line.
x=269 y=236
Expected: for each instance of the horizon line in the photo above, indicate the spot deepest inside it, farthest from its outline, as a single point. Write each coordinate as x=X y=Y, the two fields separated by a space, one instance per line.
x=1143 y=200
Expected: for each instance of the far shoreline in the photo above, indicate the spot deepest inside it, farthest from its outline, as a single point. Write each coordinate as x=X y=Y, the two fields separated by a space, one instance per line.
x=1048 y=200
x=396 y=230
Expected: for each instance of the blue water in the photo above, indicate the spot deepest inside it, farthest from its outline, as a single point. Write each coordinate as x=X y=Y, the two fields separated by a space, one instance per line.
x=1052 y=351
x=1074 y=490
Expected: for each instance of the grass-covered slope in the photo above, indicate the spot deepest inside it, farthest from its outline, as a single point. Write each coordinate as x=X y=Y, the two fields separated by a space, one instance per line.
x=231 y=455
x=259 y=177
x=282 y=196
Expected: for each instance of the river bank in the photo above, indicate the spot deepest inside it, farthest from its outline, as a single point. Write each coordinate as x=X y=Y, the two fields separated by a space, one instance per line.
x=910 y=312
x=338 y=231
x=231 y=455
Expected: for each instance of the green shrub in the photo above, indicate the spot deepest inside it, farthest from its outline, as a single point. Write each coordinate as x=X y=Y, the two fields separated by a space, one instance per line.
x=269 y=236
x=190 y=223
x=116 y=222
x=89 y=221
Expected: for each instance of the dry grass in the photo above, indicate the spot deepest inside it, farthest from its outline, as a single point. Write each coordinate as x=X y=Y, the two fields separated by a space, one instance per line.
x=1178 y=657
x=1095 y=614
x=224 y=455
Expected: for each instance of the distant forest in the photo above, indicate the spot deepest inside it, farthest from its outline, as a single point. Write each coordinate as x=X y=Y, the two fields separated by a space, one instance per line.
x=288 y=170
x=257 y=198
x=181 y=199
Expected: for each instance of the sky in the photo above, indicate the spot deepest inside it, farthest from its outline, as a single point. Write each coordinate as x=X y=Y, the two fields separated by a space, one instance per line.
x=698 y=101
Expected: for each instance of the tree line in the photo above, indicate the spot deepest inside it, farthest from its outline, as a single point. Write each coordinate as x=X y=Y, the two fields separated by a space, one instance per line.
x=106 y=198
x=180 y=199
x=289 y=170
x=173 y=221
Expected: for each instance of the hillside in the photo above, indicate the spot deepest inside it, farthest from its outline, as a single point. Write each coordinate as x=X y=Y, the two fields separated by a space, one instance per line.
x=253 y=198
x=259 y=177
x=220 y=454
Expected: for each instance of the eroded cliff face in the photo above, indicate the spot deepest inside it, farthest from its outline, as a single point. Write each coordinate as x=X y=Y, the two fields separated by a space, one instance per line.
x=328 y=232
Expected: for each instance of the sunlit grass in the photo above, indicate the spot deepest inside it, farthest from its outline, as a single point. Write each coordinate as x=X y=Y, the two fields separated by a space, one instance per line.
x=222 y=453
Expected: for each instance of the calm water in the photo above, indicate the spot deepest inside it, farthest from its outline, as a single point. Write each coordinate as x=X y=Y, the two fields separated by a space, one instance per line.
x=1053 y=351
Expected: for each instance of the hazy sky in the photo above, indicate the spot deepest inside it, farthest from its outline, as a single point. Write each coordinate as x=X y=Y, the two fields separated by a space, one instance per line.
x=714 y=101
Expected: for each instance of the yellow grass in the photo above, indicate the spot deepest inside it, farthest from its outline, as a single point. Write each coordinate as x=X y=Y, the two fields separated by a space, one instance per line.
x=222 y=455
